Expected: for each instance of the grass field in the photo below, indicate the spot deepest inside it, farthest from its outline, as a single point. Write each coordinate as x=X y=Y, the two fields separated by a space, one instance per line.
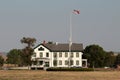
x=43 y=75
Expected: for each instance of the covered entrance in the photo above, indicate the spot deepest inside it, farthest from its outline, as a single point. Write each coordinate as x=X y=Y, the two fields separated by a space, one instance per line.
x=40 y=63
x=84 y=63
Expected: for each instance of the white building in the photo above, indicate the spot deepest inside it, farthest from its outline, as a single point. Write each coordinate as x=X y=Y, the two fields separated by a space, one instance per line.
x=57 y=55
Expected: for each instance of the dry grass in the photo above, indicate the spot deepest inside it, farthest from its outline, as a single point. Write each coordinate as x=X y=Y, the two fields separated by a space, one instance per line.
x=43 y=75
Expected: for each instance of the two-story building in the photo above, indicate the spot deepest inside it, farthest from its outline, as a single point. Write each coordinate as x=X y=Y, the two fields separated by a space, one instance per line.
x=57 y=55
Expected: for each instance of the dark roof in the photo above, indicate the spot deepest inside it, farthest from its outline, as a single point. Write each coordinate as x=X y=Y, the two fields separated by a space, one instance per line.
x=63 y=47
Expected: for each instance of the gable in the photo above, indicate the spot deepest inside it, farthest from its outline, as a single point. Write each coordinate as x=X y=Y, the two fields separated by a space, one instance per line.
x=41 y=48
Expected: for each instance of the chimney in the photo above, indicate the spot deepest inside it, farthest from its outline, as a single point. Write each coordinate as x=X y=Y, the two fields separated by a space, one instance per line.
x=44 y=42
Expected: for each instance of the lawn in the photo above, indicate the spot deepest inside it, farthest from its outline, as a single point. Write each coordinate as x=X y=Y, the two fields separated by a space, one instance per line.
x=43 y=75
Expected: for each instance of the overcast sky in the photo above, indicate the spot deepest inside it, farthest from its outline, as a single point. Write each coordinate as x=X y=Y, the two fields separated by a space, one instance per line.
x=98 y=22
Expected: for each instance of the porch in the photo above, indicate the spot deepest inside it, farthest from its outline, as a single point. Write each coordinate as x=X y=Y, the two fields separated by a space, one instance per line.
x=84 y=63
x=40 y=63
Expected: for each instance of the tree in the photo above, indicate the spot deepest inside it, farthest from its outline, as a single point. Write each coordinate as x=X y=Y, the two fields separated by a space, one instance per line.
x=95 y=55
x=29 y=41
x=50 y=42
x=1 y=61
x=14 y=57
x=110 y=59
x=26 y=56
x=28 y=50
x=117 y=61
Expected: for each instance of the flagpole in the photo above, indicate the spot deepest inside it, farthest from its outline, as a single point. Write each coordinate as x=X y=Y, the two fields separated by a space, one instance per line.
x=70 y=38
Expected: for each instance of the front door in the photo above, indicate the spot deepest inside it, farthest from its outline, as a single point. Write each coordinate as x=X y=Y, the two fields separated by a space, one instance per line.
x=40 y=63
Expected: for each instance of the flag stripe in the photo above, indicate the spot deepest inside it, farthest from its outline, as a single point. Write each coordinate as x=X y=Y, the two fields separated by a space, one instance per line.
x=76 y=11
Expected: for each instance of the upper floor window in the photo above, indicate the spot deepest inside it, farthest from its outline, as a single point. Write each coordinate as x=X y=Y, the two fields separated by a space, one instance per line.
x=41 y=54
x=72 y=55
x=77 y=54
x=55 y=54
x=41 y=49
x=47 y=54
x=60 y=54
x=66 y=54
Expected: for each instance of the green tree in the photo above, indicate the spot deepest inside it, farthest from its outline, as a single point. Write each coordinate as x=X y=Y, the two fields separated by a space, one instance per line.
x=95 y=55
x=1 y=61
x=28 y=50
x=117 y=61
x=29 y=41
x=50 y=42
x=14 y=57
x=110 y=59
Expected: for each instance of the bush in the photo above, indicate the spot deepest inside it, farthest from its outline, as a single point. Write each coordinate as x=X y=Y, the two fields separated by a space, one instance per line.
x=70 y=69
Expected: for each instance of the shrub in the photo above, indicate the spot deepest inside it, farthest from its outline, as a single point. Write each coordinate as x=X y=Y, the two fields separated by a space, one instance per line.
x=70 y=69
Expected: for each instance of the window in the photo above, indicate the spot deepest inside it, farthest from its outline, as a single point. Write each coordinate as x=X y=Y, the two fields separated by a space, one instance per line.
x=77 y=54
x=77 y=62
x=41 y=49
x=66 y=54
x=41 y=54
x=46 y=64
x=71 y=62
x=72 y=54
x=66 y=62
x=55 y=62
x=55 y=54
x=40 y=62
x=47 y=54
x=60 y=62
x=60 y=54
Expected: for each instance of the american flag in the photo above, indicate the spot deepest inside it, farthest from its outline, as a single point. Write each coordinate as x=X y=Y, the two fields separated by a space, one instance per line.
x=76 y=11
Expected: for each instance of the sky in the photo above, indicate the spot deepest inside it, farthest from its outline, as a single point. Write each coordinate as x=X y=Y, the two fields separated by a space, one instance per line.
x=98 y=22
